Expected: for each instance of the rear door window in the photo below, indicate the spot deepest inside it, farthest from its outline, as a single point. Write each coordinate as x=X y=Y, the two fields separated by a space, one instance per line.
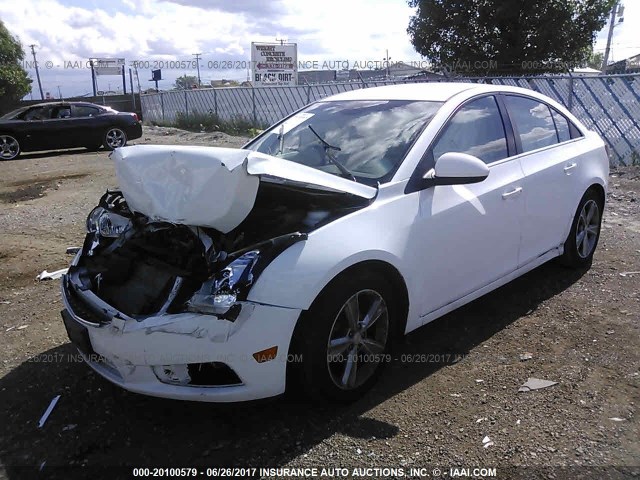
x=85 y=111
x=532 y=122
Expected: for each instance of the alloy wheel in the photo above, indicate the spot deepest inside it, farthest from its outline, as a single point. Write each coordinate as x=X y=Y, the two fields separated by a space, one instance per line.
x=9 y=147
x=358 y=339
x=115 y=138
x=587 y=228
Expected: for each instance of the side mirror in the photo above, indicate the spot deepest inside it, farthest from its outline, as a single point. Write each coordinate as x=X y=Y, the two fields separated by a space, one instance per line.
x=455 y=168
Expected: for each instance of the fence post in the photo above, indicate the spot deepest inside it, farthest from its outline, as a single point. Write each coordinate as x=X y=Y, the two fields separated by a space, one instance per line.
x=215 y=103
x=253 y=100
x=570 y=102
x=162 y=105
x=186 y=105
x=308 y=93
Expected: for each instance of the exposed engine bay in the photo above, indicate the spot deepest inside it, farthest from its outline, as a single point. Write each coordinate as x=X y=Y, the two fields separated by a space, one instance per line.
x=144 y=267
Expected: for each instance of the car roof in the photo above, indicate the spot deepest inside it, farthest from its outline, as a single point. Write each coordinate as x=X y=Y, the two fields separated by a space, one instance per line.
x=63 y=102
x=428 y=91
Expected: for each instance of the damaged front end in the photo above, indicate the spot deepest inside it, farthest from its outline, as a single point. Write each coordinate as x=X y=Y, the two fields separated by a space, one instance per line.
x=141 y=268
x=159 y=306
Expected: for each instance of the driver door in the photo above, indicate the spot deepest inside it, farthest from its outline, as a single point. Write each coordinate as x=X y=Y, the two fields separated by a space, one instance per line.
x=467 y=236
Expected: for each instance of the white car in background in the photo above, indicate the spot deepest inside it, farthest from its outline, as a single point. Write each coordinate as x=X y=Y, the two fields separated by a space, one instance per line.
x=221 y=274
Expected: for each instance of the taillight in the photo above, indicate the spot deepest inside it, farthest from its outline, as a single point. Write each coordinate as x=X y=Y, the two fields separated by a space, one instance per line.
x=135 y=116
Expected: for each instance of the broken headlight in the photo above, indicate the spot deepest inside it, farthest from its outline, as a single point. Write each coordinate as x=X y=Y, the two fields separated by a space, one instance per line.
x=219 y=293
x=106 y=223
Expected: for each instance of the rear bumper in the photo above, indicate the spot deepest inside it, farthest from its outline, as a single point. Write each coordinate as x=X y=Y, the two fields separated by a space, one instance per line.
x=134 y=353
x=134 y=131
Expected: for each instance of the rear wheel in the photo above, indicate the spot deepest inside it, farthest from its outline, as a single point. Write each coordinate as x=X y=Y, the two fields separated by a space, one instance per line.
x=345 y=337
x=9 y=147
x=585 y=231
x=114 y=138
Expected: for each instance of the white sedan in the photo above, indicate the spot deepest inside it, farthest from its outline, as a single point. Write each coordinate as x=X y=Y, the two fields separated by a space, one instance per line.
x=225 y=275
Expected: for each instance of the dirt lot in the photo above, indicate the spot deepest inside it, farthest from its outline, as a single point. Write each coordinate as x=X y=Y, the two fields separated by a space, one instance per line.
x=581 y=329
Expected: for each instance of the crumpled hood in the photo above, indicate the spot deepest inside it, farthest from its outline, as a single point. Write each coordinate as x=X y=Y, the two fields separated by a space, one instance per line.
x=210 y=186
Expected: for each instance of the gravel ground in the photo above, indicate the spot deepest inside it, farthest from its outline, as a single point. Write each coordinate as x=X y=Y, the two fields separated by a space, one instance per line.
x=452 y=384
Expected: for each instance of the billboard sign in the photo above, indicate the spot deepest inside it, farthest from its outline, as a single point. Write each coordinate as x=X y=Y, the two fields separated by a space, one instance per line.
x=108 y=66
x=274 y=64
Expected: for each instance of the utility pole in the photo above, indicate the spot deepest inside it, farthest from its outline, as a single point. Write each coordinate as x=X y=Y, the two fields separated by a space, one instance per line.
x=197 y=55
x=281 y=40
x=387 y=59
x=612 y=23
x=33 y=51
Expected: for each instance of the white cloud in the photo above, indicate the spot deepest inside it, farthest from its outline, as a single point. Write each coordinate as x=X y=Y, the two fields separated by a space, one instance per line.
x=626 y=41
x=148 y=30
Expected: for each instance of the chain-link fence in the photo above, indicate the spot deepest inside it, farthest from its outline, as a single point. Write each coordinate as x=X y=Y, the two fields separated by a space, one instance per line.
x=607 y=104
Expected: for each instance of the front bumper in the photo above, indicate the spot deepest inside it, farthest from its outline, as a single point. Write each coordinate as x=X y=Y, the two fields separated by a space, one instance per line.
x=130 y=352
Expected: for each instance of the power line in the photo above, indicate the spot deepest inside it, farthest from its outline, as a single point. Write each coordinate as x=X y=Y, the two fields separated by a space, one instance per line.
x=35 y=61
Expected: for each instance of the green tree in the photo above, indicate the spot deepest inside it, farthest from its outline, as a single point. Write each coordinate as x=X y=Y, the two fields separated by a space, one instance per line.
x=506 y=36
x=594 y=60
x=14 y=81
x=185 y=82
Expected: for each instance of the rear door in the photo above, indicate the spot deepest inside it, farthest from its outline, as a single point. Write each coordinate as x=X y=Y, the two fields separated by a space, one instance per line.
x=88 y=125
x=543 y=139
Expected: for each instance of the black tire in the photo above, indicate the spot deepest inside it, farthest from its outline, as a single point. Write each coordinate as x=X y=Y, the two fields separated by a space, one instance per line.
x=582 y=241
x=9 y=147
x=318 y=373
x=114 y=138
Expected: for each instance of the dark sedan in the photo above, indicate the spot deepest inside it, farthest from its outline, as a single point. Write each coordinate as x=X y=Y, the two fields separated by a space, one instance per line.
x=58 y=125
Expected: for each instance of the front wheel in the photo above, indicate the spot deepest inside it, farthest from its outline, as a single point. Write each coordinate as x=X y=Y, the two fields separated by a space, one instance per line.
x=9 y=147
x=344 y=338
x=114 y=138
x=585 y=232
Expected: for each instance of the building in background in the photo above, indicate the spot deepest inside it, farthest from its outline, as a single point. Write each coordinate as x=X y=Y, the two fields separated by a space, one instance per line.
x=628 y=65
x=309 y=77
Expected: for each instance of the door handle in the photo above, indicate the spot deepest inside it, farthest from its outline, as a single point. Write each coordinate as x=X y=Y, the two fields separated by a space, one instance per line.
x=510 y=193
x=570 y=167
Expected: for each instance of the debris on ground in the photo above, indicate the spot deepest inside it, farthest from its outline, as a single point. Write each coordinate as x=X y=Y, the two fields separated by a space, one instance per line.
x=72 y=250
x=48 y=411
x=626 y=274
x=617 y=419
x=52 y=275
x=22 y=327
x=536 y=384
x=487 y=442
x=525 y=356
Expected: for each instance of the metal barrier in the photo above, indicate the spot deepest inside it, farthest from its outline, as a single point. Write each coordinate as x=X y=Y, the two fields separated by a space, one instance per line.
x=608 y=104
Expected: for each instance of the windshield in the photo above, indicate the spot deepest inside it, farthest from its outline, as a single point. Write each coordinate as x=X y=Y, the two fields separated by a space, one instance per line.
x=365 y=140
x=13 y=114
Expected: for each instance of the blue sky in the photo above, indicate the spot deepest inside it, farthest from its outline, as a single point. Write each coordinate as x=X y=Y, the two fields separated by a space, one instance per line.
x=70 y=31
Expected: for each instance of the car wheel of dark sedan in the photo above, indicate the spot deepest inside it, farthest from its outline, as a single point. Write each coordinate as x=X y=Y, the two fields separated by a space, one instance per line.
x=114 y=138
x=585 y=232
x=345 y=337
x=9 y=147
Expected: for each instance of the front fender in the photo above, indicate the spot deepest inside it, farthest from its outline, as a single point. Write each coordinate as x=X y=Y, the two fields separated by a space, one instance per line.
x=296 y=277
x=378 y=232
